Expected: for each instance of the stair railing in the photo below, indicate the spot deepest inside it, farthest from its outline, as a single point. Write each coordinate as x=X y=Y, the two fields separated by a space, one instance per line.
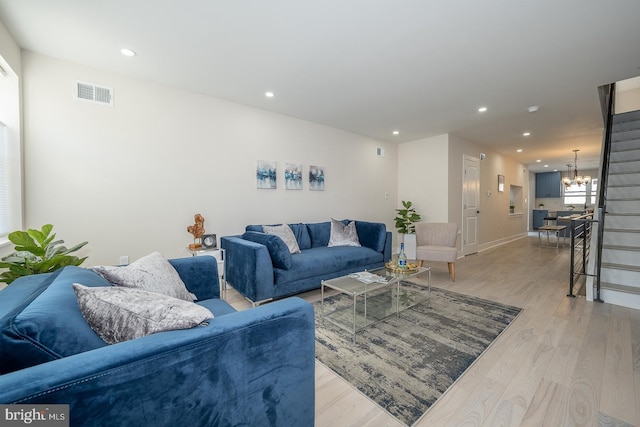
x=580 y=241
x=607 y=96
x=581 y=227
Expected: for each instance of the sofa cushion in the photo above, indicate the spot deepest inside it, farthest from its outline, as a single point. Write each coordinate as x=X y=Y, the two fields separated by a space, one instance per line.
x=299 y=230
x=319 y=233
x=322 y=261
x=119 y=314
x=278 y=250
x=218 y=307
x=343 y=234
x=372 y=235
x=49 y=326
x=153 y=273
x=284 y=232
x=302 y=235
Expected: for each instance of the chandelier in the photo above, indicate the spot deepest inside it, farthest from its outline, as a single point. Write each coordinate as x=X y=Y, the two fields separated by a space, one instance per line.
x=577 y=178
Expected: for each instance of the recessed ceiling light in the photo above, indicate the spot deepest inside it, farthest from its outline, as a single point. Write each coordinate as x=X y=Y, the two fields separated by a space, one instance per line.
x=396 y=132
x=546 y=166
x=127 y=52
x=519 y=150
x=482 y=109
x=269 y=94
x=538 y=161
x=526 y=133
x=533 y=109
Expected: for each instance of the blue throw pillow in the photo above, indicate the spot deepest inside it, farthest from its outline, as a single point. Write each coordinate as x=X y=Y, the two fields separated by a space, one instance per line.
x=50 y=326
x=299 y=230
x=319 y=233
x=280 y=255
x=372 y=235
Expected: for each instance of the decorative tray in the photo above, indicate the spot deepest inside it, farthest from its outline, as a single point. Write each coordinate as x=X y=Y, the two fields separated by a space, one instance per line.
x=411 y=267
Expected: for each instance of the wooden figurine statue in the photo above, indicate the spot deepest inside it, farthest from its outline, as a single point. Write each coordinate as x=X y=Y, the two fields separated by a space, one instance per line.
x=197 y=230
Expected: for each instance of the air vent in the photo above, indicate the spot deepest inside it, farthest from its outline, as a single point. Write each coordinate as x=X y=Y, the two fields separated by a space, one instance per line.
x=93 y=93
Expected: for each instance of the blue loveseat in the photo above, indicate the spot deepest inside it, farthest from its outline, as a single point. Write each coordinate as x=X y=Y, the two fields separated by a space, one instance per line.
x=260 y=267
x=253 y=367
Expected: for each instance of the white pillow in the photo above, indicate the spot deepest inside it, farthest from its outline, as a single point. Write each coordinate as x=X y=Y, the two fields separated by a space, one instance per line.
x=153 y=273
x=119 y=314
x=343 y=235
x=285 y=233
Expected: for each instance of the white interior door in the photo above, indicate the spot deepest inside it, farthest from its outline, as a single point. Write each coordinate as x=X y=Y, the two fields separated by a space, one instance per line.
x=470 y=205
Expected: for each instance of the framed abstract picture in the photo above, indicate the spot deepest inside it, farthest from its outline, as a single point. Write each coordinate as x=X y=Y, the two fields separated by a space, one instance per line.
x=316 y=178
x=266 y=174
x=293 y=176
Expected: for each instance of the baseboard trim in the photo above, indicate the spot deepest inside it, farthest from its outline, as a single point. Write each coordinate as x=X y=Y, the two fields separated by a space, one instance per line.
x=499 y=242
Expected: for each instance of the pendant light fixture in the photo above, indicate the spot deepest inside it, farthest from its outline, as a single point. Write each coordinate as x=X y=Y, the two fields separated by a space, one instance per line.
x=577 y=178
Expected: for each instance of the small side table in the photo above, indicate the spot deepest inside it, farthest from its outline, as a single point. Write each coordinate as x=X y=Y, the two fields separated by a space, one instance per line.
x=557 y=229
x=218 y=254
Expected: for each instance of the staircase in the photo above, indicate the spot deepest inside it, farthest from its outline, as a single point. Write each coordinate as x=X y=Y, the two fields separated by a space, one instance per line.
x=620 y=274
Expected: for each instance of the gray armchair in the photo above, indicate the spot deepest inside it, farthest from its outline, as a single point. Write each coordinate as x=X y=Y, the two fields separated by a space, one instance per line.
x=436 y=241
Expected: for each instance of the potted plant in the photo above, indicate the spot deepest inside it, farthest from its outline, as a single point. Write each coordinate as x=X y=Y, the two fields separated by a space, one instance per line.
x=541 y=205
x=36 y=252
x=511 y=208
x=405 y=224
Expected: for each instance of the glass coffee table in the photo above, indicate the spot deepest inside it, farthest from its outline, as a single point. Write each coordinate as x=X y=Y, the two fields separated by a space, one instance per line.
x=371 y=296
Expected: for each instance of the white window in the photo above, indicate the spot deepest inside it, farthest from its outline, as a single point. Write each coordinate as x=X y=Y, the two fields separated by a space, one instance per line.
x=594 y=190
x=4 y=182
x=577 y=195
x=10 y=156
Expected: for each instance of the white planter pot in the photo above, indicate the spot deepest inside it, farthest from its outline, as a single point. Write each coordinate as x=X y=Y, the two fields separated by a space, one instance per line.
x=409 y=245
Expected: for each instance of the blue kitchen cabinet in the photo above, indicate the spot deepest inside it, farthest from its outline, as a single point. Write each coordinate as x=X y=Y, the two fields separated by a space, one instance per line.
x=548 y=185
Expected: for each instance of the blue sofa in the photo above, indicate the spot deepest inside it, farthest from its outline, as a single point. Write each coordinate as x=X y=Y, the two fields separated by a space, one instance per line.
x=253 y=367
x=259 y=267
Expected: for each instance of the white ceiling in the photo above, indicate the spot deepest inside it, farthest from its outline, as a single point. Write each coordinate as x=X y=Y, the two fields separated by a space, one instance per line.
x=369 y=66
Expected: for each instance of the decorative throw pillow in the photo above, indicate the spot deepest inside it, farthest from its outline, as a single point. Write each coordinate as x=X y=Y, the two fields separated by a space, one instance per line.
x=119 y=314
x=343 y=235
x=278 y=250
x=153 y=273
x=286 y=234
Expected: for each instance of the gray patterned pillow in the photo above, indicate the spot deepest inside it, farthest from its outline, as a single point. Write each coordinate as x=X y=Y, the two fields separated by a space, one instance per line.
x=285 y=233
x=343 y=235
x=119 y=314
x=153 y=273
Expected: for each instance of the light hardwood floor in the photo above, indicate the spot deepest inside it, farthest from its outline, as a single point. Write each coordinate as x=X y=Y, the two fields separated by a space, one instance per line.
x=563 y=362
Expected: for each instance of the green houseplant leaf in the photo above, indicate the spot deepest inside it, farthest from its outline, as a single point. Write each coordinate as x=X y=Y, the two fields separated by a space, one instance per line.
x=36 y=252
x=406 y=218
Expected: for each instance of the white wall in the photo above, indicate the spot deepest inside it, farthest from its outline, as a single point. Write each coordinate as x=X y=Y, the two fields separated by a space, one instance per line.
x=10 y=50
x=422 y=177
x=129 y=178
x=627 y=100
x=495 y=224
x=430 y=174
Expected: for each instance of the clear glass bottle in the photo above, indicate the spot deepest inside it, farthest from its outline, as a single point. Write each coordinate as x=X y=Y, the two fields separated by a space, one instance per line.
x=402 y=258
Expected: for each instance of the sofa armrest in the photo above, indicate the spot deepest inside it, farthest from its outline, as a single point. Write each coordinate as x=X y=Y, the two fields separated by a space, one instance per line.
x=387 y=247
x=254 y=367
x=248 y=268
x=200 y=275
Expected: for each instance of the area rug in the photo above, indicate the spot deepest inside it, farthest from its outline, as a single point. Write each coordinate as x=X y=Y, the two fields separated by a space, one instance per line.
x=405 y=363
